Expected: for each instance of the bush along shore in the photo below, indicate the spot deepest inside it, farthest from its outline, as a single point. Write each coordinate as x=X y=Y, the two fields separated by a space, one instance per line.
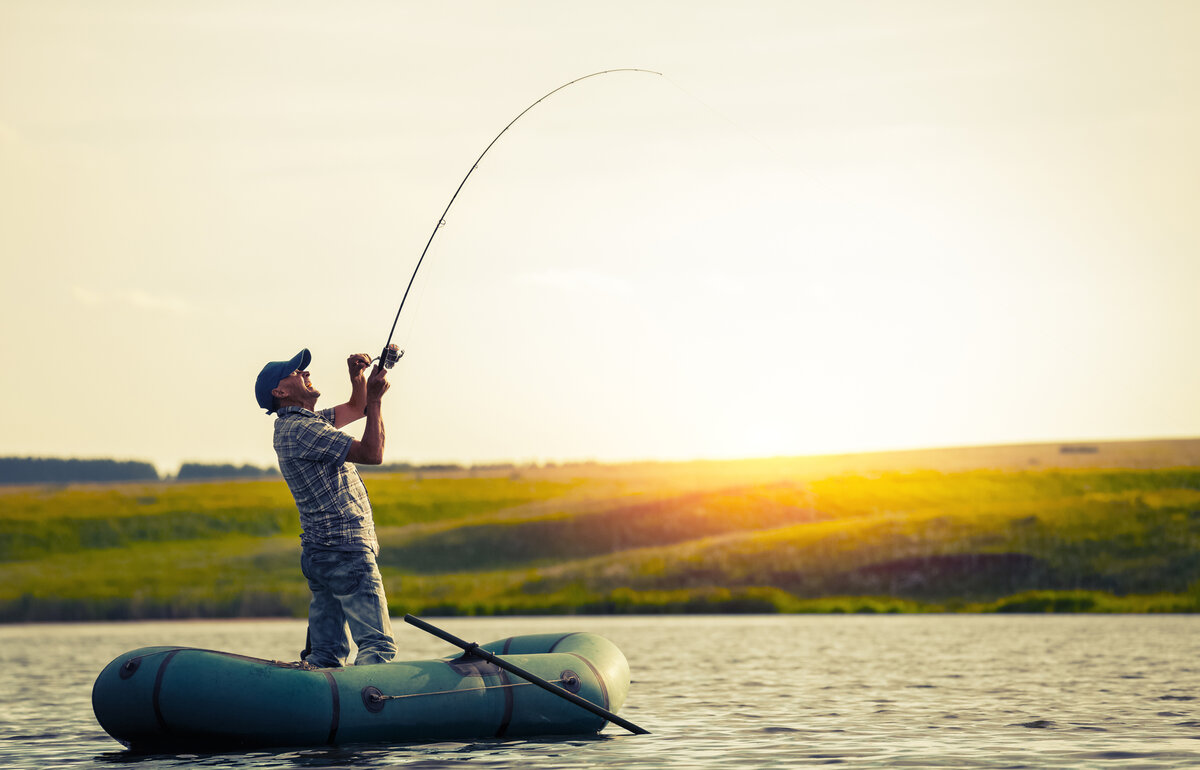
x=746 y=536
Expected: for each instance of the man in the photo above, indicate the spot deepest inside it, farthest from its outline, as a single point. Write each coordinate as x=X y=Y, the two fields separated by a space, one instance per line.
x=338 y=531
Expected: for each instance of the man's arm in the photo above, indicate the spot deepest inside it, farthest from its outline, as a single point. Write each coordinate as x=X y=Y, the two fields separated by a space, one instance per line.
x=369 y=450
x=352 y=410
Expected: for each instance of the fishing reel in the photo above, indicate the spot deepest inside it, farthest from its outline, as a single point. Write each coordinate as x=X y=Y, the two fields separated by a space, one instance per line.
x=390 y=355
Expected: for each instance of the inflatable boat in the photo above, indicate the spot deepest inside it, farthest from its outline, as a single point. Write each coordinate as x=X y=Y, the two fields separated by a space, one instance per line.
x=173 y=698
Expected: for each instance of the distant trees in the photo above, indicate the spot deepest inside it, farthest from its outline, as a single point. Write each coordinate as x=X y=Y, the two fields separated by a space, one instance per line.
x=38 y=470
x=408 y=468
x=205 y=471
x=42 y=470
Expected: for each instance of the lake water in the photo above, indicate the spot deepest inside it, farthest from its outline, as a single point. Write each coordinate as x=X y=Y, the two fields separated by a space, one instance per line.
x=749 y=691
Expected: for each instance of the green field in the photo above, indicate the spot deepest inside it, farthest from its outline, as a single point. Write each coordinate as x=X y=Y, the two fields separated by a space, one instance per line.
x=1113 y=528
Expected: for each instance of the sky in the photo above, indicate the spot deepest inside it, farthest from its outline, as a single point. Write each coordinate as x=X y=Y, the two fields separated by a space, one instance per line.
x=826 y=226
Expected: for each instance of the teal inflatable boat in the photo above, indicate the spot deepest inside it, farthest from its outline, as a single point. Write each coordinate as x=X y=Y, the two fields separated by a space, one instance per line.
x=173 y=698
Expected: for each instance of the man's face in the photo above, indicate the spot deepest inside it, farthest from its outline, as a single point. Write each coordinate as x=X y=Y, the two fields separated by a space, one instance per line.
x=296 y=387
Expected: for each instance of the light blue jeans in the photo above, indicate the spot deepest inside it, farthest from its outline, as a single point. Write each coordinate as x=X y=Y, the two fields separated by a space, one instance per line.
x=347 y=601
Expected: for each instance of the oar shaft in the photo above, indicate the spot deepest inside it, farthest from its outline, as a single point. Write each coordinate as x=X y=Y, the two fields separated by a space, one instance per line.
x=475 y=649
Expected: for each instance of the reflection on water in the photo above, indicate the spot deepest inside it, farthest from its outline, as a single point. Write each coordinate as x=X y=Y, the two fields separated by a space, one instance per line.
x=762 y=691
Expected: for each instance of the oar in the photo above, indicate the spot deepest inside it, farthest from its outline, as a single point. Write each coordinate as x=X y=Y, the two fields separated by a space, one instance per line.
x=474 y=649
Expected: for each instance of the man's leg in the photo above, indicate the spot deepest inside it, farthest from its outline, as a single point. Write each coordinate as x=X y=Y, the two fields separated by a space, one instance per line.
x=328 y=643
x=367 y=615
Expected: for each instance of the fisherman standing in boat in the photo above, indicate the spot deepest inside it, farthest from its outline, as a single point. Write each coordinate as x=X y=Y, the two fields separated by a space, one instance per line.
x=338 y=531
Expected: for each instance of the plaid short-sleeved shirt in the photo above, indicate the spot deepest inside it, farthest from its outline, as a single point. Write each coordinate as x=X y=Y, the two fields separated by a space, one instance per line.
x=335 y=511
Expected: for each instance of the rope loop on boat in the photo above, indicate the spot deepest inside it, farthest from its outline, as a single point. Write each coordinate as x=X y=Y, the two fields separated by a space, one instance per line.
x=378 y=696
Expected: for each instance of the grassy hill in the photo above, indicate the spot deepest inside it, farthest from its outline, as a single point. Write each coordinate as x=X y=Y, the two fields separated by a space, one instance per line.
x=1099 y=527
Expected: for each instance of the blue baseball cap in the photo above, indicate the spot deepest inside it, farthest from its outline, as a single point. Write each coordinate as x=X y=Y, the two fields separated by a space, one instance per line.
x=275 y=371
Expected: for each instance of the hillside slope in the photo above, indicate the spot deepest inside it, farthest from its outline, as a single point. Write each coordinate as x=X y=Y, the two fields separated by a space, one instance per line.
x=1109 y=527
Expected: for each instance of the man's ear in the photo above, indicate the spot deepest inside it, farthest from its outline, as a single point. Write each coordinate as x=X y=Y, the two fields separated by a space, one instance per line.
x=279 y=392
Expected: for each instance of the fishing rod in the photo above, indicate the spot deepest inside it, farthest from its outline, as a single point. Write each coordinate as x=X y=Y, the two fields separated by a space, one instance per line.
x=391 y=353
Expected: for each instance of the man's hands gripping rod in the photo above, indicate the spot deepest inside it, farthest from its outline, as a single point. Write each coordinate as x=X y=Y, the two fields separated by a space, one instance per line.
x=369 y=449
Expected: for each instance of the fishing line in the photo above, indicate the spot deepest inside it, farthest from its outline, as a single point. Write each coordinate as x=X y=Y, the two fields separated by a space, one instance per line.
x=724 y=116
x=391 y=353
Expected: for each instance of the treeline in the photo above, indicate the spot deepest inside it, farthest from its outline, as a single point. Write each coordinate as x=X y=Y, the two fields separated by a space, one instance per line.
x=432 y=468
x=205 y=471
x=474 y=468
x=38 y=470
x=42 y=470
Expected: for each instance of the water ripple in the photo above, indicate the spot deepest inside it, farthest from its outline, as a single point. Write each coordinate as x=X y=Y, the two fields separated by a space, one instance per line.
x=936 y=691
